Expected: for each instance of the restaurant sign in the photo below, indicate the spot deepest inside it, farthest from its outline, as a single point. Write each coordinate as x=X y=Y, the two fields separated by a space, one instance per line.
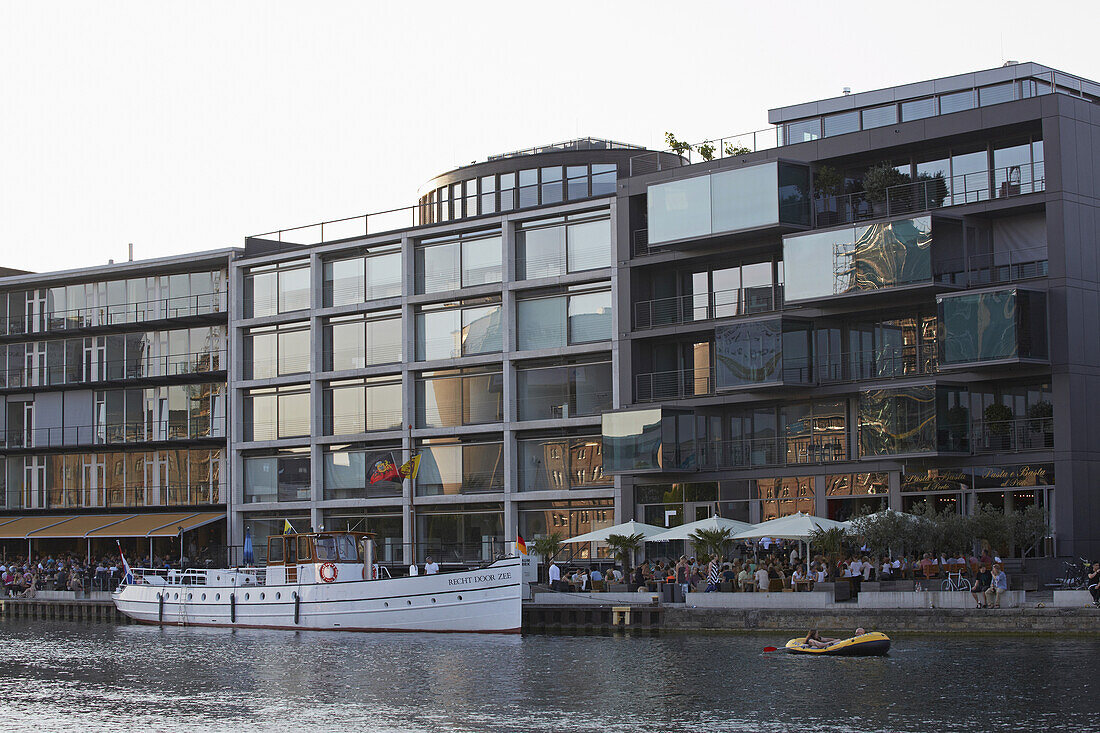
x=978 y=477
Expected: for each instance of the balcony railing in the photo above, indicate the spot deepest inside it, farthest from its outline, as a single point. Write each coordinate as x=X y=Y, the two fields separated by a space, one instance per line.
x=671 y=385
x=707 y=306
x=777 y=451
x=548 y=408
x=111 y=370
x=1012 y=436
x=723 y=147
x=136 y=496
x=931 y=193
x=186 y=306
x=872 y=364
x=143 y=431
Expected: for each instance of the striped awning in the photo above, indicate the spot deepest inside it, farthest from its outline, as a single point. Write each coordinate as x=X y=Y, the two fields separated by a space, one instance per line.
x=149 y=524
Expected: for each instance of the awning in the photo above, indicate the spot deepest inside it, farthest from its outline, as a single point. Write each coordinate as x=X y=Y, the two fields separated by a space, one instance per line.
x=140 y=525
x=18 y=529
x=78 y=526
x=192 y=522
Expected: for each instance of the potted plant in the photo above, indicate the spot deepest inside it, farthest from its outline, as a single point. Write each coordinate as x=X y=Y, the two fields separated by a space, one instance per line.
x=828 y=183
x=711 y=541
x=998 y=423
x=958 y=425
x=623 y=547
x=876 y=182
x=1040 y=420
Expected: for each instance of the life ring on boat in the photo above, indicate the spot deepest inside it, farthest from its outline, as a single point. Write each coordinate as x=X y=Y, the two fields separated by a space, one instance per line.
x=328 y=572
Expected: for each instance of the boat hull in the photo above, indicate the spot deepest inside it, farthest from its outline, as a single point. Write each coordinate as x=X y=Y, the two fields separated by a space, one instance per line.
x=487 y=600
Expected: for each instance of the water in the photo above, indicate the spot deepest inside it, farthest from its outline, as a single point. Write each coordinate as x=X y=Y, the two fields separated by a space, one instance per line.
x=57 y=676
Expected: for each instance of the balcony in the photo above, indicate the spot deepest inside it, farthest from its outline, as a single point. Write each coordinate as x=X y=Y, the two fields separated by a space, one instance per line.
x=1012 y=436
x=673 y=385
x=707 y=306
x=143 y=431
x=113 y=316
x=135 y=496
x=931 y=193
x=772 y=195
x=993 y=328
x=777 y=451
x=886 y=363
x=116 y=370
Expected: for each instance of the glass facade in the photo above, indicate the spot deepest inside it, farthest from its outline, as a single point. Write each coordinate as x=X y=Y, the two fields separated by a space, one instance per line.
x=556 y=464
x=275 y=289
x=782 y=497
x=746 y=198
x=898 y=421
x=632 y=440
x=459 y=397
x=363 y=405
x=357 y=342
x=554 y=247
x=460 y=468
x=276 y=412
x=459 y=263
x=993 y=326
x=452 y=332
x=858 y=259
x=347 y=471
x=361 y=279
x=548 y=322
x=284 y=476
x=555 y=392
x=761 y=352
x=276 y=351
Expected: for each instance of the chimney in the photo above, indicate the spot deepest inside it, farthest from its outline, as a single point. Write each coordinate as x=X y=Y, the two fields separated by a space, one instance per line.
x=131 y=251
x=1011 y=63
x=847 y=91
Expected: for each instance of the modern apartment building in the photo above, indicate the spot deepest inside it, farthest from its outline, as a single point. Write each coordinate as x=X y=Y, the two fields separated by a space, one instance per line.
x=113 y=391
x=893 y=300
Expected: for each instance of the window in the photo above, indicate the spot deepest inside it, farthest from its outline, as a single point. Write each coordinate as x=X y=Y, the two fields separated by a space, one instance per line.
x=918 y=109
x=273 y=413
x=346 y=471
x=507 y=191
x=557 y=464
x=552 y=248
x=556 y=321
x=995 y=94
x=448 y=333
x=344 y=281
x=590 y=317
x=272 y=290
x=551 y=185
x=576 y=181
x=548 y=393
x=365 y=405
x=460 y=468
x=603 y=179
x=383 y=276
x=956 y=102
x=880 y=116
x=802 y=131
x=528 y=188
x=282 y=477
x=840 y=124
x=488 y=195
x=356 y=342
x=275 y=351
x=452 y=398
x=458 y=264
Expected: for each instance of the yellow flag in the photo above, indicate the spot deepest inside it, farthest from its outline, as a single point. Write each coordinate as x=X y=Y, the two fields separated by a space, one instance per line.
x=287 y=529
x=409 y=469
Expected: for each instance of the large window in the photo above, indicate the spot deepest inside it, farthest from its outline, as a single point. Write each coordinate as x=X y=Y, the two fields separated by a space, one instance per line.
x=459 y=397
x=760 y=352
x=361 y=279
x=561 y=463
x=897 y=421
x=363 y=405
x=450 y=332
x=554 y=392
x=276 y=289
x=277 y=412
x=998 y=325
x=281 y=477
x=276 y=351
x=566 y=244
x=470 y=533
x=356 y=342
x=458 y=263
x=581 y=316
x=347 y=472
x=460 y=468
x=632 y=440
x=782 y=497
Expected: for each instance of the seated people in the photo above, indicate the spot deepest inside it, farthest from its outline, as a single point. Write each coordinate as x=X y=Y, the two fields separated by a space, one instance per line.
x=997 y=588
x=1094 y=584
x=982 y=581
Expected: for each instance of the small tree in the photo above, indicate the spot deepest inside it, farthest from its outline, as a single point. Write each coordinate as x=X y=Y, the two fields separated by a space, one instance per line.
x=997 y=417
x=711 y=541
x=1028 y=528
x=706 y=150
x=991 y=525
x=732 y=149
x=623 y=547
x=547 y=546
x=677 y=146
x=830 y=542
x=879 y=178
x=827 y=181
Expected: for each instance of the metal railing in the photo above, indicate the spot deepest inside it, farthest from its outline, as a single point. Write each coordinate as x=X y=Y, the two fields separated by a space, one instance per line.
x=707 y=306
x=872 y=364
x=1012 y=436
x=743 y=143
x=931 y=193
x=138 y=431
x=576 y=405
x=112 y=370
x=132 y=496
x=776 y=451
x=113 y=315
x=581 y=143
x=674 y=384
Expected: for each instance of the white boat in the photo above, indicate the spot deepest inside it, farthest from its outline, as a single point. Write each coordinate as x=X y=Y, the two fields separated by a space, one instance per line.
x=327 y=581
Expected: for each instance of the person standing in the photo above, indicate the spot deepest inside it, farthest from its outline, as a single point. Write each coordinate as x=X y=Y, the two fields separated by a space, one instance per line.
x=682 y=575
x=431 y=567
x=555 y=575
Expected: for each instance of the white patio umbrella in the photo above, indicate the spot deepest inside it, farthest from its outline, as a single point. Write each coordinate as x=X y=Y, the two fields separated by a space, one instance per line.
x=684 y=531
x=794 y=527
x=626 y=528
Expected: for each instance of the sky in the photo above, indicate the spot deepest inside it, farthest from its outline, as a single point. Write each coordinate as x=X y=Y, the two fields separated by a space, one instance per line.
x=188 y=126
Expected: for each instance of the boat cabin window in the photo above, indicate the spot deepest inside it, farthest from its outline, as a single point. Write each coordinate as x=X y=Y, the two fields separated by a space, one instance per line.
x=349 y=548
x=291 y=550
x=274 y=550
x=326 y=548
x=304 y=553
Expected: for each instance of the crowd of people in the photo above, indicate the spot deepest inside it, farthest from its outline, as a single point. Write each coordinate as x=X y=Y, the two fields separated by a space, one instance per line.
x=779 y=568
x=24 y=577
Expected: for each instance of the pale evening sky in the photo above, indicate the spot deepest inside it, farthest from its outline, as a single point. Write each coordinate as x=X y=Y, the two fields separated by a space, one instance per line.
x=187 y=126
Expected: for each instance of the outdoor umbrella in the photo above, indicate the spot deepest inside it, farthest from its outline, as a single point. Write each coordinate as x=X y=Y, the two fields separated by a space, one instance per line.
x=626 y=528
x=249 y=559
x=794 y=527
x=684 y=531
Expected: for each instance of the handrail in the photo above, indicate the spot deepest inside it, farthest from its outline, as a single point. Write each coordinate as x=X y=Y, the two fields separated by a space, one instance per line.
x=112 y=315
x=722 y=147
x=214 y=361
x=136 y=431
x=132 y=495
x=715 y=304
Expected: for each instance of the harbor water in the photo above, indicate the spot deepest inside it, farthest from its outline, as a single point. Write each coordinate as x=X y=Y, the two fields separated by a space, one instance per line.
x=62 y=676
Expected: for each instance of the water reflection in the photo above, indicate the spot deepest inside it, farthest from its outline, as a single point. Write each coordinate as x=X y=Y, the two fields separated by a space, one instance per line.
x=65 y=676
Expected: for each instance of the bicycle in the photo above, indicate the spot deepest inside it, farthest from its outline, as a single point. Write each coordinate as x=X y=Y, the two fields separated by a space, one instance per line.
x=956 y=581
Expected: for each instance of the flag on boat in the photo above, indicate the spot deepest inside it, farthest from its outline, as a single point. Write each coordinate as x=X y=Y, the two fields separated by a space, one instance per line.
x=521 y=545
x=288 y=528
x=409 y=469
x=127 y=577
x=384 y=469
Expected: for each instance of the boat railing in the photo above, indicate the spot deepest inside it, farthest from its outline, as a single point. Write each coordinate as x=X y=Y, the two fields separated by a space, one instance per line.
x=193 y=576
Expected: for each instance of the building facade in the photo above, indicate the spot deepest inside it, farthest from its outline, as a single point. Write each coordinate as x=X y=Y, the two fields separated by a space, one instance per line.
x=113 y=391
x=894 y=303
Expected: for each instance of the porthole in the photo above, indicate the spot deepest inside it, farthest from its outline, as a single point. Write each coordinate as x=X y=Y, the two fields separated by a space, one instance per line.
x=217 y=596
x=261 y=596
x=278 y=596
x=175 y=596
x=386 y=604
x=218 y=577
x=433 y=600
x=188 y=596
x=460 y=598
x=246 y=596
x=408 y=603
x=204 y=596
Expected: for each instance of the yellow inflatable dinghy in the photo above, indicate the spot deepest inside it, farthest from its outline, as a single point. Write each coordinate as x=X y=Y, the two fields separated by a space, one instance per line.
x=874 y=644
